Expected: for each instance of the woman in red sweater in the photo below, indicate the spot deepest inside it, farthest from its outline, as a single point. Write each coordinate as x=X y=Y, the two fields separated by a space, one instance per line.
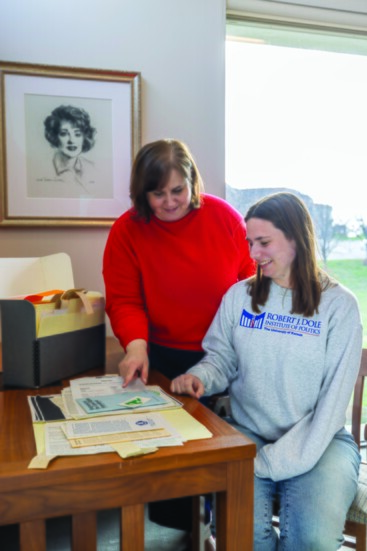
x=168 y=261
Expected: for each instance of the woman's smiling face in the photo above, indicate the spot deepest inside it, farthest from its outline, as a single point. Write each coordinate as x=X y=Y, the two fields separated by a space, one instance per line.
x=271 y=249
x=173 y=201
x=71 y=140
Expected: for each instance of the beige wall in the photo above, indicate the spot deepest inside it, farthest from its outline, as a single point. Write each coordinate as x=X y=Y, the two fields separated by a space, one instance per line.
x=179 y=49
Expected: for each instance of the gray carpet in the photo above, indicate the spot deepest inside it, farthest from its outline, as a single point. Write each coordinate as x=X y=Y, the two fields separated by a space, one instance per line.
x=157 y=538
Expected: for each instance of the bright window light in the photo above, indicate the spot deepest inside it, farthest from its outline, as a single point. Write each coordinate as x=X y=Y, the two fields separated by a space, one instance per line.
x=297 y=117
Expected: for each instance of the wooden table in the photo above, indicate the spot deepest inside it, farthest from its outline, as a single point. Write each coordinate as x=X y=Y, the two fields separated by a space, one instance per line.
x=81 y=486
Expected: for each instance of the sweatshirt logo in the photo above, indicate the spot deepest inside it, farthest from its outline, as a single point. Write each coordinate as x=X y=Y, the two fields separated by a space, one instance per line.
x=280 y=323
x=251 y=321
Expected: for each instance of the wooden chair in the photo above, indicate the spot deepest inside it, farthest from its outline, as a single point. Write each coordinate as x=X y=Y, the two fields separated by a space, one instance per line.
x=356 y=524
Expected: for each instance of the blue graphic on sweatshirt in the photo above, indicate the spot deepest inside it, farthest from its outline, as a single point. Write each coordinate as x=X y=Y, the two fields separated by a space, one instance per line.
x=251 y=321
x=280 y=323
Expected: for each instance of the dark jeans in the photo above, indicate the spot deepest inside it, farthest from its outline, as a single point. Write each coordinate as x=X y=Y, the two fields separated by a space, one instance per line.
x=174 y=513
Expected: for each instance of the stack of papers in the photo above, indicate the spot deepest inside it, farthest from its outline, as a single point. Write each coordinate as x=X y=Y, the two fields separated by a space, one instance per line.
x=106 y=435
x=96 y=415
x=109 y=430
x=96 y=396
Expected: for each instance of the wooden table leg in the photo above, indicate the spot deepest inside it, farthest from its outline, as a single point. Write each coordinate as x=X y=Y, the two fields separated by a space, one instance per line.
x=84 y=531
x=235 y=509
x=132 y=528
x=32 y=535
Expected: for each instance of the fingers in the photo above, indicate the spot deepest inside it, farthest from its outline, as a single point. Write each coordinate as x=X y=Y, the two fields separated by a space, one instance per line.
x=135 y=363
x=131 y=374
x=188 y=384
x=131 y=369
x=144 y=372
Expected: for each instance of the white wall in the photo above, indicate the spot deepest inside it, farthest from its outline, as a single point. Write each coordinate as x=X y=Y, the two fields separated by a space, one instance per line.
x=179 y=49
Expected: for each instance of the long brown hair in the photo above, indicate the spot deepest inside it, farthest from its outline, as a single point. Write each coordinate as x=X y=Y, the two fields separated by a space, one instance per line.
x=152 y=168
x=288 y=213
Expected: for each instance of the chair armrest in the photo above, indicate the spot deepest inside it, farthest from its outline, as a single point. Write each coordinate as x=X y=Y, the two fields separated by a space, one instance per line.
x=220 y=404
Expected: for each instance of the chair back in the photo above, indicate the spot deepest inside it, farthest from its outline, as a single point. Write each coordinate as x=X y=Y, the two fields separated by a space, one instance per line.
x=358 y=399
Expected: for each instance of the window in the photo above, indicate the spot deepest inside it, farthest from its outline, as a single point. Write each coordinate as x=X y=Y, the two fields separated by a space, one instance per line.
x=296 y=119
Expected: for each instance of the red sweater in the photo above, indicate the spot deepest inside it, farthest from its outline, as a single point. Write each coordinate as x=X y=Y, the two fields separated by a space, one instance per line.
x=165 y=280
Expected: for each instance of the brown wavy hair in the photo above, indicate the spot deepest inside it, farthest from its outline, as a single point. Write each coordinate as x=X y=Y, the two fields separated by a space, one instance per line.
x=288 y=213
x=152 y=168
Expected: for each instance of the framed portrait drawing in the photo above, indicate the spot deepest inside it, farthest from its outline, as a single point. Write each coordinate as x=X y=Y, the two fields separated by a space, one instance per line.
x=68 y=137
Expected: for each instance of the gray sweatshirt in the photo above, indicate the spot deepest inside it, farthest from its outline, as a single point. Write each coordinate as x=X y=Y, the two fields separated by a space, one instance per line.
x=290 y=378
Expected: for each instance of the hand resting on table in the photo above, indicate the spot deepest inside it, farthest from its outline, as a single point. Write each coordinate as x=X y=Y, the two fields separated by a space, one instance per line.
x=188 y=384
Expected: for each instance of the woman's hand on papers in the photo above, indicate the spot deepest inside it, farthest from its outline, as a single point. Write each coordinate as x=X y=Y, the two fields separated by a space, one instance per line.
x=135 y=362
x=188 y=384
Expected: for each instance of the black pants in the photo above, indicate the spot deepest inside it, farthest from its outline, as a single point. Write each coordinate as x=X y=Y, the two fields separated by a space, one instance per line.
x=174 y=513
x=172 y=362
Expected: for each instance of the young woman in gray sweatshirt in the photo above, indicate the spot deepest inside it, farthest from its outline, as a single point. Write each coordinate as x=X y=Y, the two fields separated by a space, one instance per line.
x=287 y=345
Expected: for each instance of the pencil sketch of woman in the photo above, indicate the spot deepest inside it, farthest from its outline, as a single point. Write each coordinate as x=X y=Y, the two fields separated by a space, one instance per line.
x=69 y=130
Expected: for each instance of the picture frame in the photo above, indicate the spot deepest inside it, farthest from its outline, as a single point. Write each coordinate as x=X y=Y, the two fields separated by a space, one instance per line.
x=68 y=137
